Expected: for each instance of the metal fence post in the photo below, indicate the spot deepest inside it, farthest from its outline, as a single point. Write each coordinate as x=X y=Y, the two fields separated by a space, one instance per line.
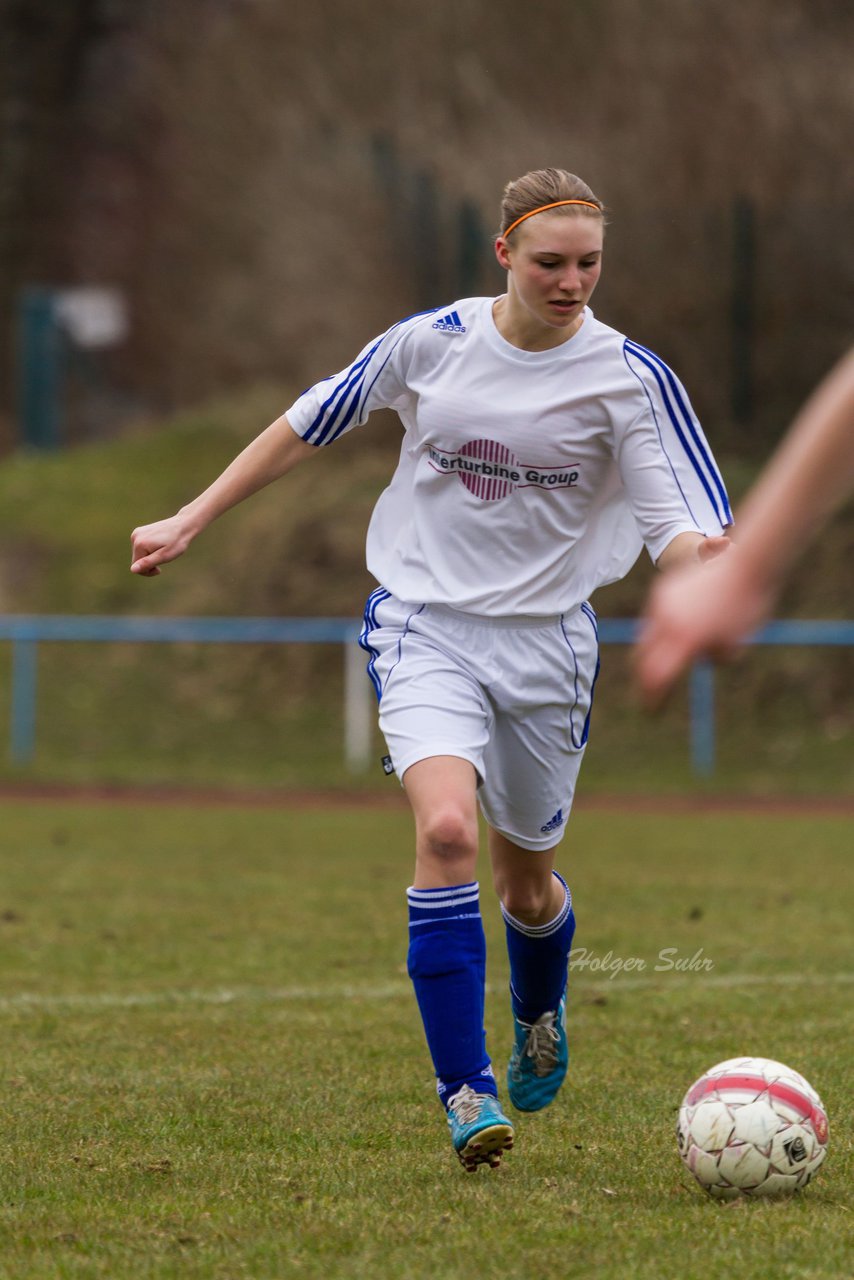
x=22 y=742
x=40 y=361
x=702 y=700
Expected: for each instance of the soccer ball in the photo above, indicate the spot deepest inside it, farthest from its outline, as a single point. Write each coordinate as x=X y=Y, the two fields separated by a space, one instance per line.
x=751 y=1127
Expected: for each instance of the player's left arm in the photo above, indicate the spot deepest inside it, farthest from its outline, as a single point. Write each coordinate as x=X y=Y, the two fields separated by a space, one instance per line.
x=675 y=489
x=691 y=548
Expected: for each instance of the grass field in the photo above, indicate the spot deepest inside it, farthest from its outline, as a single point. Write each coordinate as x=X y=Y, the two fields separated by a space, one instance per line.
x=213 y=1065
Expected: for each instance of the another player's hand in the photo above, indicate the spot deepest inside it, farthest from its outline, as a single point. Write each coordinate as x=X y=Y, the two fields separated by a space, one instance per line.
x=702 y=611
x=155 y=544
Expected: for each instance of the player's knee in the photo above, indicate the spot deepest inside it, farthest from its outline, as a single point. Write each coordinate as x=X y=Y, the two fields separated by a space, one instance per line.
x=450 y=836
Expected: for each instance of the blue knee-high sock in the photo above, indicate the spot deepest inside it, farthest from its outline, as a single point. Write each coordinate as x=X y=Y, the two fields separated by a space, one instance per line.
x=447 y=965
x=539 y=960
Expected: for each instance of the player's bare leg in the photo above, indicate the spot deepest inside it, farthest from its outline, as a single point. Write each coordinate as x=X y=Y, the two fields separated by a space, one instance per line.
x=524 y=880
x=442 y=793
x=447 y=955
x=538 y=914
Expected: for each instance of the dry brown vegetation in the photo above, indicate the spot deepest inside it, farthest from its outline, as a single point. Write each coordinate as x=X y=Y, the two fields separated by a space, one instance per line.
x=273 y=183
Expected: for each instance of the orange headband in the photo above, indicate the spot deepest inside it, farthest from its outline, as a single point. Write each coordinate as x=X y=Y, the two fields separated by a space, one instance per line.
x=542 y=209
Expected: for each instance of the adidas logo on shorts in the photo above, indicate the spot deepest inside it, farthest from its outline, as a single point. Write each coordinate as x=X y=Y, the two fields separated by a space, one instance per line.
x=553 y=823
x=451 y=323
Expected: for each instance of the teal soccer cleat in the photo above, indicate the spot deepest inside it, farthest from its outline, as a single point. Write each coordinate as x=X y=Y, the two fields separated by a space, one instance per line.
x=539 y=1060
x=479 y=1129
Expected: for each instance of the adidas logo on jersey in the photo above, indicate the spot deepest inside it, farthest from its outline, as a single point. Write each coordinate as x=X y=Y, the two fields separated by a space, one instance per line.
x=553 y=823
x=451 y=323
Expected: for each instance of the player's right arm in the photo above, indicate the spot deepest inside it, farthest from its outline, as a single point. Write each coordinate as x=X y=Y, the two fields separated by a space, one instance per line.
x=318 y=417
x=270 y=455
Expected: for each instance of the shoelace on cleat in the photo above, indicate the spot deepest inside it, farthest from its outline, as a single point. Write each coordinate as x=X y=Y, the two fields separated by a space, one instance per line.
x=467 y=1105
x=542 y=1043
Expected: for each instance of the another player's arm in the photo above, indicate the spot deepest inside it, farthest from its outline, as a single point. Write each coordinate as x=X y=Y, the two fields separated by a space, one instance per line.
x=810 y=474
x=270 y=455
x=693 y=613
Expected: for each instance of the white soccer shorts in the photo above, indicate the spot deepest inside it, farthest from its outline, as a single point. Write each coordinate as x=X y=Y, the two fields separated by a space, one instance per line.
x=510 y=695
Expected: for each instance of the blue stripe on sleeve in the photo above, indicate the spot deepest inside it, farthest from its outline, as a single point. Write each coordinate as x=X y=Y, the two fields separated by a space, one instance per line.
x=673 y=472
x=331 y=407
x=346 y=398
x=677 y=409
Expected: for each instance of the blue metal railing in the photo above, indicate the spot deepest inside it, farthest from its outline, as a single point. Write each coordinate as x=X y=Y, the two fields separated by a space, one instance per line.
x=26 y=632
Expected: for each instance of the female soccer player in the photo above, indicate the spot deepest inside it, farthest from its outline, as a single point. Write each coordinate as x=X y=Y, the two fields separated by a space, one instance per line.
x=711 y=611
x=541 y=450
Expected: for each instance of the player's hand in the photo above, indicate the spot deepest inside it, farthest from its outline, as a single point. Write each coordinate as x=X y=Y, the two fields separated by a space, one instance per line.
x=155 y=544
x=702 y=611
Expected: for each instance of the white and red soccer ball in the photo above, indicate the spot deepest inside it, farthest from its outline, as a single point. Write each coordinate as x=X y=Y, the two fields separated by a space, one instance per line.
x=752 y=1127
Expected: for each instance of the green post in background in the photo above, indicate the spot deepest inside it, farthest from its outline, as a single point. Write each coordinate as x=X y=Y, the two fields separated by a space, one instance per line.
x=743 y=307
x=425 y=238
x=40 y=359
x=471 y=246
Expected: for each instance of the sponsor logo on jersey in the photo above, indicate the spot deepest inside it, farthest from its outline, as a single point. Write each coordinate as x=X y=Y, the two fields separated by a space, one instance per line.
x=490 y=471
x=451 y=323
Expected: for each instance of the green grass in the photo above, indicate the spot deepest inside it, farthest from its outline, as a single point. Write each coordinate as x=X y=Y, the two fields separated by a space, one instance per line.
x=213 y=1066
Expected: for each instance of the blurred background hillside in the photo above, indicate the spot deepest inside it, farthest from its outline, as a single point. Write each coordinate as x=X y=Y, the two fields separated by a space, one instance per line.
x=267 y=185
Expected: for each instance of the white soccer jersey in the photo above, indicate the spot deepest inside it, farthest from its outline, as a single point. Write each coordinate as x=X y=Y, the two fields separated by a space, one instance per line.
x=526 y=479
